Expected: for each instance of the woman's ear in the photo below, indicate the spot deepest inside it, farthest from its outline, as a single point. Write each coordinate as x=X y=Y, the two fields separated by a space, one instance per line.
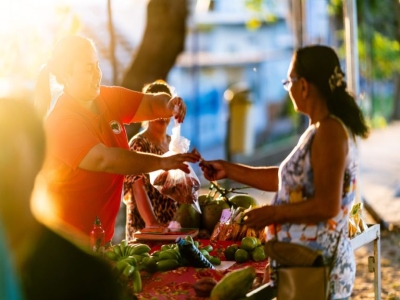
x=305 y=87
x=66 y=73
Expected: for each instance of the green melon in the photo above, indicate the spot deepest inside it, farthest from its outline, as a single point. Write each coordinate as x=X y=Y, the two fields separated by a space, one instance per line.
x=243 y=201
x=203 y=199
x=211 y=213
x=187 y=216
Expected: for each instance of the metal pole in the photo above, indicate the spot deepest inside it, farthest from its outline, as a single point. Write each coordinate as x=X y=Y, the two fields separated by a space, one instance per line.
x=377 y=266
x=351 y=37
x=298 y=21
x=304 y=19
x=352 y=68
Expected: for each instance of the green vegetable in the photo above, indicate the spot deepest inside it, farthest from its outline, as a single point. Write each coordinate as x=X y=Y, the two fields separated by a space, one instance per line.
x=234 y=285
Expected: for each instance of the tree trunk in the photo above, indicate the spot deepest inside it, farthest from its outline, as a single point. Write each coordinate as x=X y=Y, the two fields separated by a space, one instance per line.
x=112 y=43
x=162 y=42
x=396 y=102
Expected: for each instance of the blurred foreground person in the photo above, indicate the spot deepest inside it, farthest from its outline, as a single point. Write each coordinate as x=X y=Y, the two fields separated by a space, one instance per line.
x=88 y=152
x=49 y=266
x=145 y=205
x=316 y=183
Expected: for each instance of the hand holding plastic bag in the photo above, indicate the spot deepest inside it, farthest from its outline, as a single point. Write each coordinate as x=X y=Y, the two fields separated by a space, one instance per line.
x=176 y=184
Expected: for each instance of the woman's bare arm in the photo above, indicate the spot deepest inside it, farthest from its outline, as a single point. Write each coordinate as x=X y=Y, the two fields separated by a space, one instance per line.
x=122 y=161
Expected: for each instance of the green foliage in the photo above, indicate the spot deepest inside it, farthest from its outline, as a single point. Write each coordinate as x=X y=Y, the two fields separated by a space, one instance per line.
x=377 y=25
x=378 y=121
x=254 y=5
x=261 y=11
x=382 y=105
x=385 y=55
x=335 y=7
x=379 y=48
x=380 y=112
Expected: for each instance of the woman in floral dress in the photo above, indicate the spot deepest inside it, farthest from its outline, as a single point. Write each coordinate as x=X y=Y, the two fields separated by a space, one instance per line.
x=315 y=185
x=145 y=205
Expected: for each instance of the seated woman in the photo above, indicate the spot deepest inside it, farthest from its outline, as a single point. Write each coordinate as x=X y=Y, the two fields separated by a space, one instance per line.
x=145 y=205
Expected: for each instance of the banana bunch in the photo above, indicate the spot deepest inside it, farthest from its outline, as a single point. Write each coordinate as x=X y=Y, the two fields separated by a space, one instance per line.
x=167 y=258
x=128 y=261
x=123 y=250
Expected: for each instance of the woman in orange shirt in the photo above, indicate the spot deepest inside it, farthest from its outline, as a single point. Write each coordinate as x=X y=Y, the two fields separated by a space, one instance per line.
x=88 y=152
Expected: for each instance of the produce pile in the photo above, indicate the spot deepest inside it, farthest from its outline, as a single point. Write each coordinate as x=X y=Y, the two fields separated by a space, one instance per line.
x=250 y=248
x=234 y=285
x=220 y=220
x=357 y=224
x=129 y=259
x=128 y=262
x=222 y=214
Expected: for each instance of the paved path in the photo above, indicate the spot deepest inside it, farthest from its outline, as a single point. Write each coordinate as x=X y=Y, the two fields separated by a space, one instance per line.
x=380 y=172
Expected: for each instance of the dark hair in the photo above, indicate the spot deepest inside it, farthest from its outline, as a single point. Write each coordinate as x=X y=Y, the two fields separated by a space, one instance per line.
x=320 y=65
x=158 y=86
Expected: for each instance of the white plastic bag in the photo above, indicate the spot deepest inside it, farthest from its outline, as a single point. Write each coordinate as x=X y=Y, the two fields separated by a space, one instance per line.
x=176 y=184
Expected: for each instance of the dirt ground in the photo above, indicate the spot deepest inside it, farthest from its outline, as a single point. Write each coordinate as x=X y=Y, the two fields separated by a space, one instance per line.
x=390 y=268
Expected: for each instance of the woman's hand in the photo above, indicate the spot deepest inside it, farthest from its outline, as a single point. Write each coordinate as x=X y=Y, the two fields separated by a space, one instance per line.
x=177 y=161
x=143 y=203
x=178 y=107
x=213 y=170
x=258 y=218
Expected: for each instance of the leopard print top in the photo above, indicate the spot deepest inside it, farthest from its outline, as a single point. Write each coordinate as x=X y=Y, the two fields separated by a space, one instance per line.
x=164 y=207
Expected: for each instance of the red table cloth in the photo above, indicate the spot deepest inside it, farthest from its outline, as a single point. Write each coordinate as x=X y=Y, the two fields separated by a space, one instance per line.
x=177 y=284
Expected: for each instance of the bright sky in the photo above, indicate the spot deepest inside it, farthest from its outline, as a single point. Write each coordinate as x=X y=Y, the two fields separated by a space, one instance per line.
x=29 y=27
x=26 y=31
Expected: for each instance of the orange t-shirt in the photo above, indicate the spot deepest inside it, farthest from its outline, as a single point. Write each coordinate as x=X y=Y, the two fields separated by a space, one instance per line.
x=77 y=196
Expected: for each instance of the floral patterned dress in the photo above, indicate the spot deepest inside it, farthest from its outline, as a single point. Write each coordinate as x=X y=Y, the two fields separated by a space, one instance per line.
x=297 y=184
x=164 y=208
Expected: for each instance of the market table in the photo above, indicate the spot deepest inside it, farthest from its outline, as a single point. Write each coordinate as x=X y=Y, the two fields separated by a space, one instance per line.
x=177 y=284
x=371 y=235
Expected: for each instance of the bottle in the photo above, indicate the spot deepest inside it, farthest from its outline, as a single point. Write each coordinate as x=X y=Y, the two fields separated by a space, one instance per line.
x=97 y=236
x=192 y=254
